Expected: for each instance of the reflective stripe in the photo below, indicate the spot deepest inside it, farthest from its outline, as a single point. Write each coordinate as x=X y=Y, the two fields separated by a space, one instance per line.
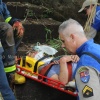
x=8 y=19
x=10 y=69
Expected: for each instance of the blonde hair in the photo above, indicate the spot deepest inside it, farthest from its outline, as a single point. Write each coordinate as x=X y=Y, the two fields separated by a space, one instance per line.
x=90 y=18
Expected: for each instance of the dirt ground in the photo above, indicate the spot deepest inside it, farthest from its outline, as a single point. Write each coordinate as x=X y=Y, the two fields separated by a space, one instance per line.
x=33 y=90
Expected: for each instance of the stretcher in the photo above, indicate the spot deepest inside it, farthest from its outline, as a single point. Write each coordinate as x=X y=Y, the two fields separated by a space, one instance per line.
x=49 y=82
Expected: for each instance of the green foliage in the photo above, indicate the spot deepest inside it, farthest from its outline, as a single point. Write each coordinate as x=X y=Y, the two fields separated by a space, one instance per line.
x=28 y=13
x=46 y=13
x=48 y=33
x=56 y=43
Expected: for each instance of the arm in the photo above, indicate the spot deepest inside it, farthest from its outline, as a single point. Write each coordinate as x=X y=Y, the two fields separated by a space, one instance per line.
x=88 y=84
x=16 y=23
x=7 y=16
x=59 y=72
x=92 y=33
x=63 y=75
x=95 y=26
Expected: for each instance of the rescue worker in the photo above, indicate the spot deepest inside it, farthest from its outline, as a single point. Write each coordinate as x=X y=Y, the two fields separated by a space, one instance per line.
x=91 y=9
x=5 y=91
x=11 y=33
x=87 y=73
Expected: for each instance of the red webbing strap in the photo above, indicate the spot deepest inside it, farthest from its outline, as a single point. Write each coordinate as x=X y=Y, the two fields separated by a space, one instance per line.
x=69 y=67
x=45 y=69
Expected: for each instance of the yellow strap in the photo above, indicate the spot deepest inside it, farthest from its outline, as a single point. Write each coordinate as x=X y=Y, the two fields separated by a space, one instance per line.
x=8 y=19
x=10 y=69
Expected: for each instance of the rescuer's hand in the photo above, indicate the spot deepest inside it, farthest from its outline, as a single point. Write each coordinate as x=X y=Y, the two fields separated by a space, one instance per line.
x=19 y=27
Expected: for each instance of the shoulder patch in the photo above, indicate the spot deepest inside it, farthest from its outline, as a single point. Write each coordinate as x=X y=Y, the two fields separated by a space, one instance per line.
x=84 y=74
x=87 y=92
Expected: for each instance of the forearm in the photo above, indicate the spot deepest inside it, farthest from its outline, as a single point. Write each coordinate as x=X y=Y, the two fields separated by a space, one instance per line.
x=63 y=75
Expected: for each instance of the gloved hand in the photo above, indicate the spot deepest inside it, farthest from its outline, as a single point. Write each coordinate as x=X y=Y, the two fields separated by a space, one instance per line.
x=19 y=27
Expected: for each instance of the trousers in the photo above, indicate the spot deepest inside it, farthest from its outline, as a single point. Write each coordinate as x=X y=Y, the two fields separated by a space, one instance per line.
x=10 y=42
x=5 y=90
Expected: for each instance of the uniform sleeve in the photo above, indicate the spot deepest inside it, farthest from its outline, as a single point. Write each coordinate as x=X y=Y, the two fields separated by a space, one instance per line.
x=88 y=83
x=6 y=12
x=7 y=16
x=54 y=70
x=96 y=23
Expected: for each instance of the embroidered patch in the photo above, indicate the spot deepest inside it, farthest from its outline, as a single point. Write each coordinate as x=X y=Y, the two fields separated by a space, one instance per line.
x=87 y=91
x=84 y=75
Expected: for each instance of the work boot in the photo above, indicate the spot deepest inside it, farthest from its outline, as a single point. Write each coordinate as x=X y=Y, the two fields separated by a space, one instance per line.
x=11 y=78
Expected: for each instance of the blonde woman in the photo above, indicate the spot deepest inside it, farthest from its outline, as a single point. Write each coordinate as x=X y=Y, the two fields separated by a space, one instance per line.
x=92 y=9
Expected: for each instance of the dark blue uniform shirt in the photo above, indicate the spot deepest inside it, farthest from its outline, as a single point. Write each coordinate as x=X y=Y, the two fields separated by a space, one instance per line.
x=4 y=12
x=86 y=60
x=96 y=24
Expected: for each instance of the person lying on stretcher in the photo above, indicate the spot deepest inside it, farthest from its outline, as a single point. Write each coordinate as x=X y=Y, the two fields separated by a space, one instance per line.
x=63 y=69
x=59 y=69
